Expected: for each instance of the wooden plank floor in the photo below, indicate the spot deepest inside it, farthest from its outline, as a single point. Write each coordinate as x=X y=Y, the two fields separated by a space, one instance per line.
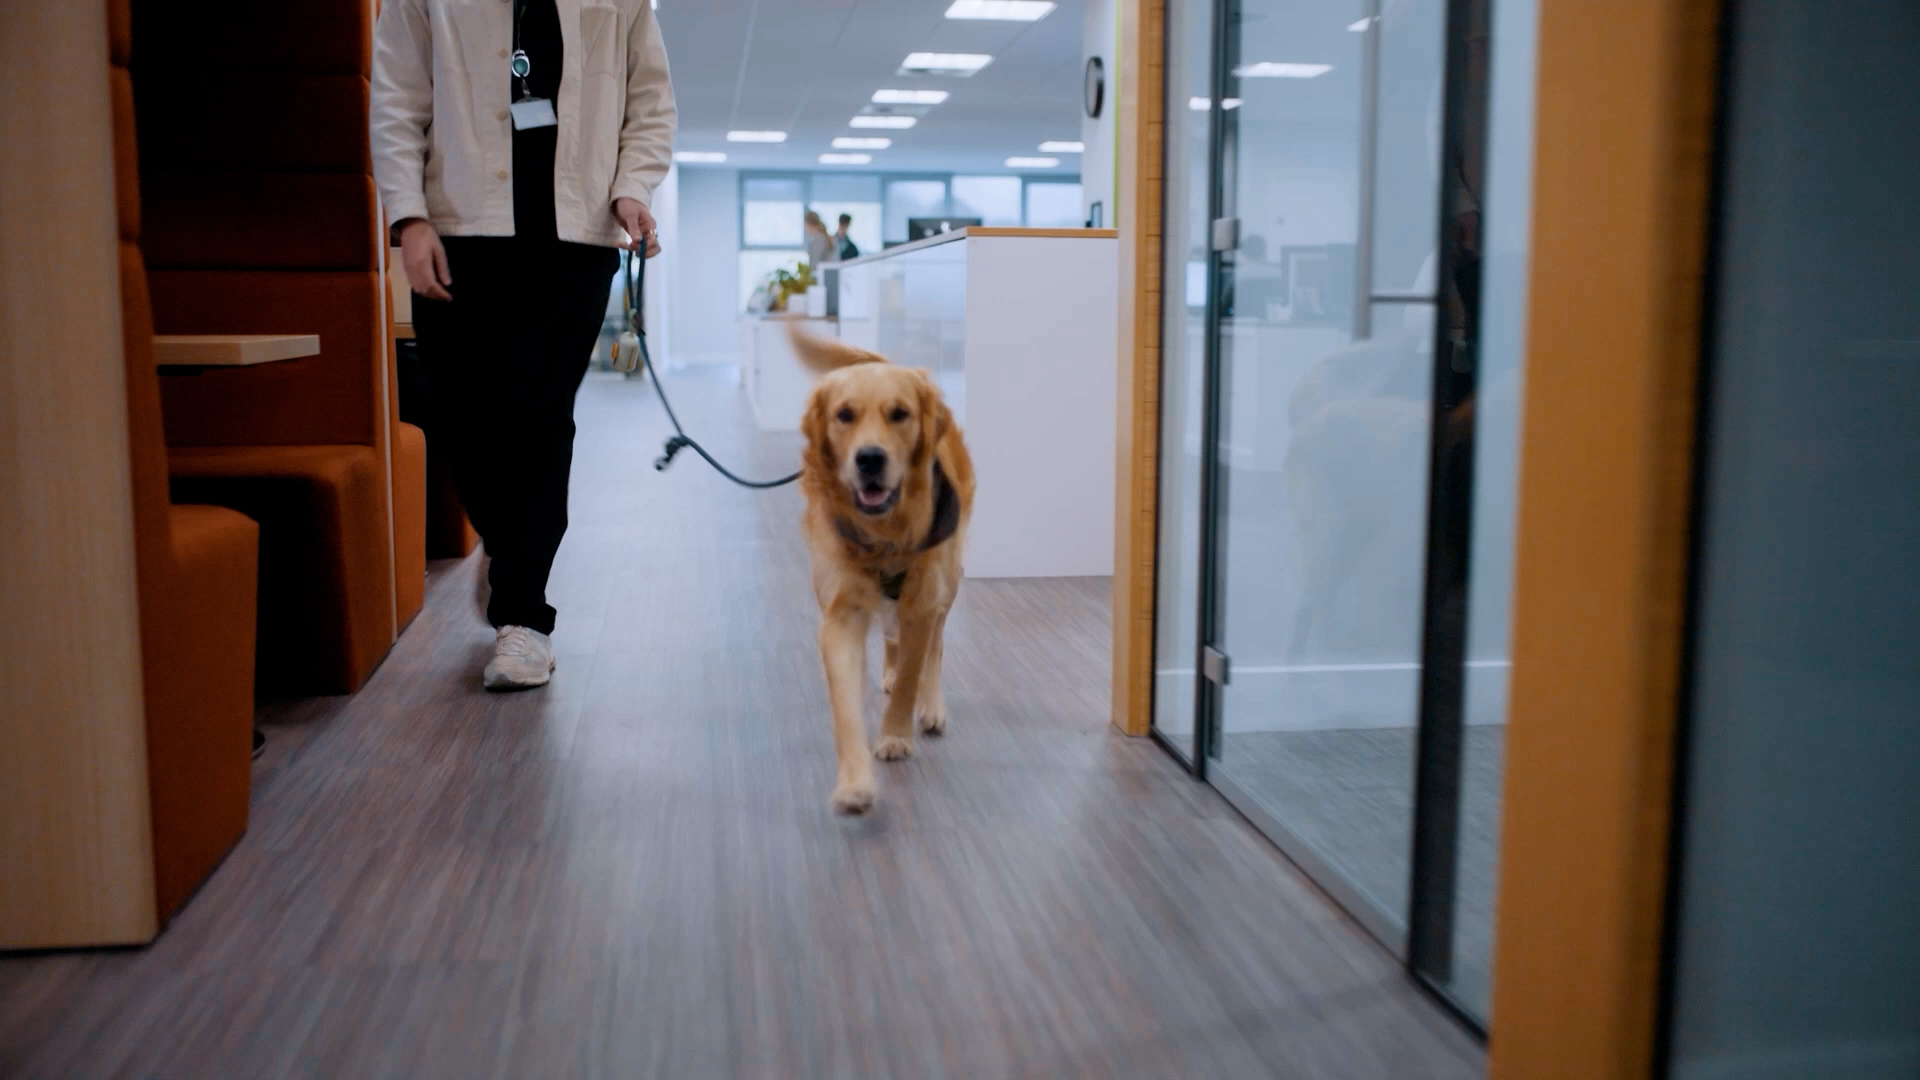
x=634 y=873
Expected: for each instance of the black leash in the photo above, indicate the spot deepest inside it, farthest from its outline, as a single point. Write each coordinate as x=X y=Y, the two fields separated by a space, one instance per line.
x=680 y=440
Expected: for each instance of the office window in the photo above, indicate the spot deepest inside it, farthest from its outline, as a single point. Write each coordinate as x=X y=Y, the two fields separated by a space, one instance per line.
x=1052 y=205
x=772 y=212
x=995 y=200
x=911 y=199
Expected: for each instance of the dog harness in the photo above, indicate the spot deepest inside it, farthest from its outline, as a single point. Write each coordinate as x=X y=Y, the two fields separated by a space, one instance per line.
x=946 y=521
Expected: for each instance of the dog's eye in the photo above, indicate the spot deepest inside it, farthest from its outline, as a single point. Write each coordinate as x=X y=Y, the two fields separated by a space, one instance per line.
x=845 y=415
x=898 y=414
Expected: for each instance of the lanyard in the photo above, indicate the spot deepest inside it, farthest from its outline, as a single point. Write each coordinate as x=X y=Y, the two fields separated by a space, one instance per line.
x=519 y=64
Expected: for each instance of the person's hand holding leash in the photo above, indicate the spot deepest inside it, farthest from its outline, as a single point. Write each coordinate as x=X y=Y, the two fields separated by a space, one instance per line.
x=425 y=260
x=638 y=222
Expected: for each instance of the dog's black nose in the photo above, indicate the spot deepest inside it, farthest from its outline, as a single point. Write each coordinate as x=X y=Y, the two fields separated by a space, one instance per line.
x=870 y=460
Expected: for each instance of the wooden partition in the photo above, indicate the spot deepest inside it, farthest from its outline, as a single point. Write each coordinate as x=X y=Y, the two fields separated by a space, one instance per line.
x=75 y=847
x=1138 y=186
x=1624 y=134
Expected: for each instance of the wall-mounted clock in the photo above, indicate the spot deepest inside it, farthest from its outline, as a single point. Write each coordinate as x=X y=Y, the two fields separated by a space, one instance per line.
x=1096 y=87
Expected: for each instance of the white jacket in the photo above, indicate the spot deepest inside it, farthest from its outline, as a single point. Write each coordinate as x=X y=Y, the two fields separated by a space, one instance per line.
x=442 y=140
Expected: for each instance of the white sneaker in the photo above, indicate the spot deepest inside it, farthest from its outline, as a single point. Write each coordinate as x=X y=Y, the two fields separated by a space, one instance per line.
x=522 y=659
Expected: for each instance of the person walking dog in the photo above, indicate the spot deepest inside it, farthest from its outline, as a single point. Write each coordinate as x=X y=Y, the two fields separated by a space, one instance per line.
x=516 y=145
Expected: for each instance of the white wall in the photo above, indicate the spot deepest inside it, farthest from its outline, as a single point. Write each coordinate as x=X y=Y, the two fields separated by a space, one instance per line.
x=1096 y=165
x=663 y=272
x=704 y=325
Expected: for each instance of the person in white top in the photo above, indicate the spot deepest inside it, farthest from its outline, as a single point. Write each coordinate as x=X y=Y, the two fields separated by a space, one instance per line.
x=516 y=145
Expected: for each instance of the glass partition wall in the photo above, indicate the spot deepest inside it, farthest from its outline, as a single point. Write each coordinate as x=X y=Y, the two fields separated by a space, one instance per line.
x=1345 y=234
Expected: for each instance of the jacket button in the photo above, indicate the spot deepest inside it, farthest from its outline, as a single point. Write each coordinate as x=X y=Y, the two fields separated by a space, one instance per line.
x=502 y=174
x=503 y=54
x=501 y=115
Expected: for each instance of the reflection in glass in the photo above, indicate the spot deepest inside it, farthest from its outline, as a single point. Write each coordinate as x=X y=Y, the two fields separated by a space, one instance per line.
x=1323 y=453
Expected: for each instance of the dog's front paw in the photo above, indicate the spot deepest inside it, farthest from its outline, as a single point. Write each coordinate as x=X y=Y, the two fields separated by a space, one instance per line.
x=853 y=796
x=892 y=748
x=932 y=719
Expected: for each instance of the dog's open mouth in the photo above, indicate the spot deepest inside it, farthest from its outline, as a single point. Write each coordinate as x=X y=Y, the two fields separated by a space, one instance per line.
x=873 y=498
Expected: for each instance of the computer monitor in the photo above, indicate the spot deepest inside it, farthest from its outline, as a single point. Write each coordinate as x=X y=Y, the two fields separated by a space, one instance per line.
x=922 y=227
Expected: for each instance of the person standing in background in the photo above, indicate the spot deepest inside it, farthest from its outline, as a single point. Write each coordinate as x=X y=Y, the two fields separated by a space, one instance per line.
x=848 y=249
x=821 y=249
x=516 y=146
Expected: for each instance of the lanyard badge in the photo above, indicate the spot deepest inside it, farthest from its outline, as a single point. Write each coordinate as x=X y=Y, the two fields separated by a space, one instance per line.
x=528 y=111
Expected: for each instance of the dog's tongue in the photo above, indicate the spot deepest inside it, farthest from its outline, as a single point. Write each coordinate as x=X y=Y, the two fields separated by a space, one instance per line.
x=873 y=496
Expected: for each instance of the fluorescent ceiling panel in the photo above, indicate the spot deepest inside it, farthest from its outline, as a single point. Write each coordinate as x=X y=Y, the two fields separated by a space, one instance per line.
x=932 y=63
x=1269 y=69
x=1001 y=10
x=909 y=97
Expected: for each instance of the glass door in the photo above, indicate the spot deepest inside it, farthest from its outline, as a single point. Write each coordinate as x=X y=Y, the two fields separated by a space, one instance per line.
x=1185 y=346
x=1325 y=377
x=1329 y=515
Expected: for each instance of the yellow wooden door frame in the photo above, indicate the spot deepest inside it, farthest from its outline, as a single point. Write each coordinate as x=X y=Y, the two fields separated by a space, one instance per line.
x=1622 y=164
x=1139 y=132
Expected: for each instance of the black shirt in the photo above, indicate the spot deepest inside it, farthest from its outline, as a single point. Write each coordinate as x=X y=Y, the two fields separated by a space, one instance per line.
x=534 y=148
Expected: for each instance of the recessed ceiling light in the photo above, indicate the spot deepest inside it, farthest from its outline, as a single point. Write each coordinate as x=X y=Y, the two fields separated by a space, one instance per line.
x=1360 y=27
x=909 y=97
x=1059 y=146
x=1201 y=104
x=1268 y=69
x=756 y=136
x=895 y=122
x=845 y=159
x=1032 y=162
x=856 y=142
x=1002 y=10
x=932 y=63
x=699 y=157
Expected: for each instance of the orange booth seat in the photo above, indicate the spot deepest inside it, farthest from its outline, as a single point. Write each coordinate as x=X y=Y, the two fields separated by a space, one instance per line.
x=261 y=217
x=196 y=573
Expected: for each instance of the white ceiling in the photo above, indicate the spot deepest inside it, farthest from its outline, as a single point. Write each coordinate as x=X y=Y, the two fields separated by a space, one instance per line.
x=807 y=66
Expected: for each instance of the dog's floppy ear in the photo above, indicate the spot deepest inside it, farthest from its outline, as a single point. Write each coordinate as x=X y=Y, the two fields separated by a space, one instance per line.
x=935 y=418
x=813 y=426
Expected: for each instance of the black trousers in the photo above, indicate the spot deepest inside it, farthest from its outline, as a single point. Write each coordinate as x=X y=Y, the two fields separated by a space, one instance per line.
x=504 y=359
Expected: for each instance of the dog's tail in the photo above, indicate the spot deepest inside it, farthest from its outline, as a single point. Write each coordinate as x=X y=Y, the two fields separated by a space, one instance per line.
x=821 y=355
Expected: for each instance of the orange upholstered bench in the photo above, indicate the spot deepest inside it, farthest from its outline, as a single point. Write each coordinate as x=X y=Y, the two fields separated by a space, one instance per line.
x=196 y=573
x=262 y=219
x=325 y=611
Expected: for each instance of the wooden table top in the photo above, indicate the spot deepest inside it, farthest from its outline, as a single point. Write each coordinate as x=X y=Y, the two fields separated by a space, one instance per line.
x=231 y=350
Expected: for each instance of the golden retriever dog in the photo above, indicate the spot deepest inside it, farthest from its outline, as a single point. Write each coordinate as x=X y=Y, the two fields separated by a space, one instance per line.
x=889 y=489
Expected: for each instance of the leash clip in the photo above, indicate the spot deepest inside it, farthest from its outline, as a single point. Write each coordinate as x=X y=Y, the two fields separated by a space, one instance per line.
x=674 y=446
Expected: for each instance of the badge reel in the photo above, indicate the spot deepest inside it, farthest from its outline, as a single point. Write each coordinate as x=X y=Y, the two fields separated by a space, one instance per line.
x=529 y=112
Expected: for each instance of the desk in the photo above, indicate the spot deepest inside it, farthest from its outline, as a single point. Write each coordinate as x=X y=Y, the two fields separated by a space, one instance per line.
x=231 y=350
